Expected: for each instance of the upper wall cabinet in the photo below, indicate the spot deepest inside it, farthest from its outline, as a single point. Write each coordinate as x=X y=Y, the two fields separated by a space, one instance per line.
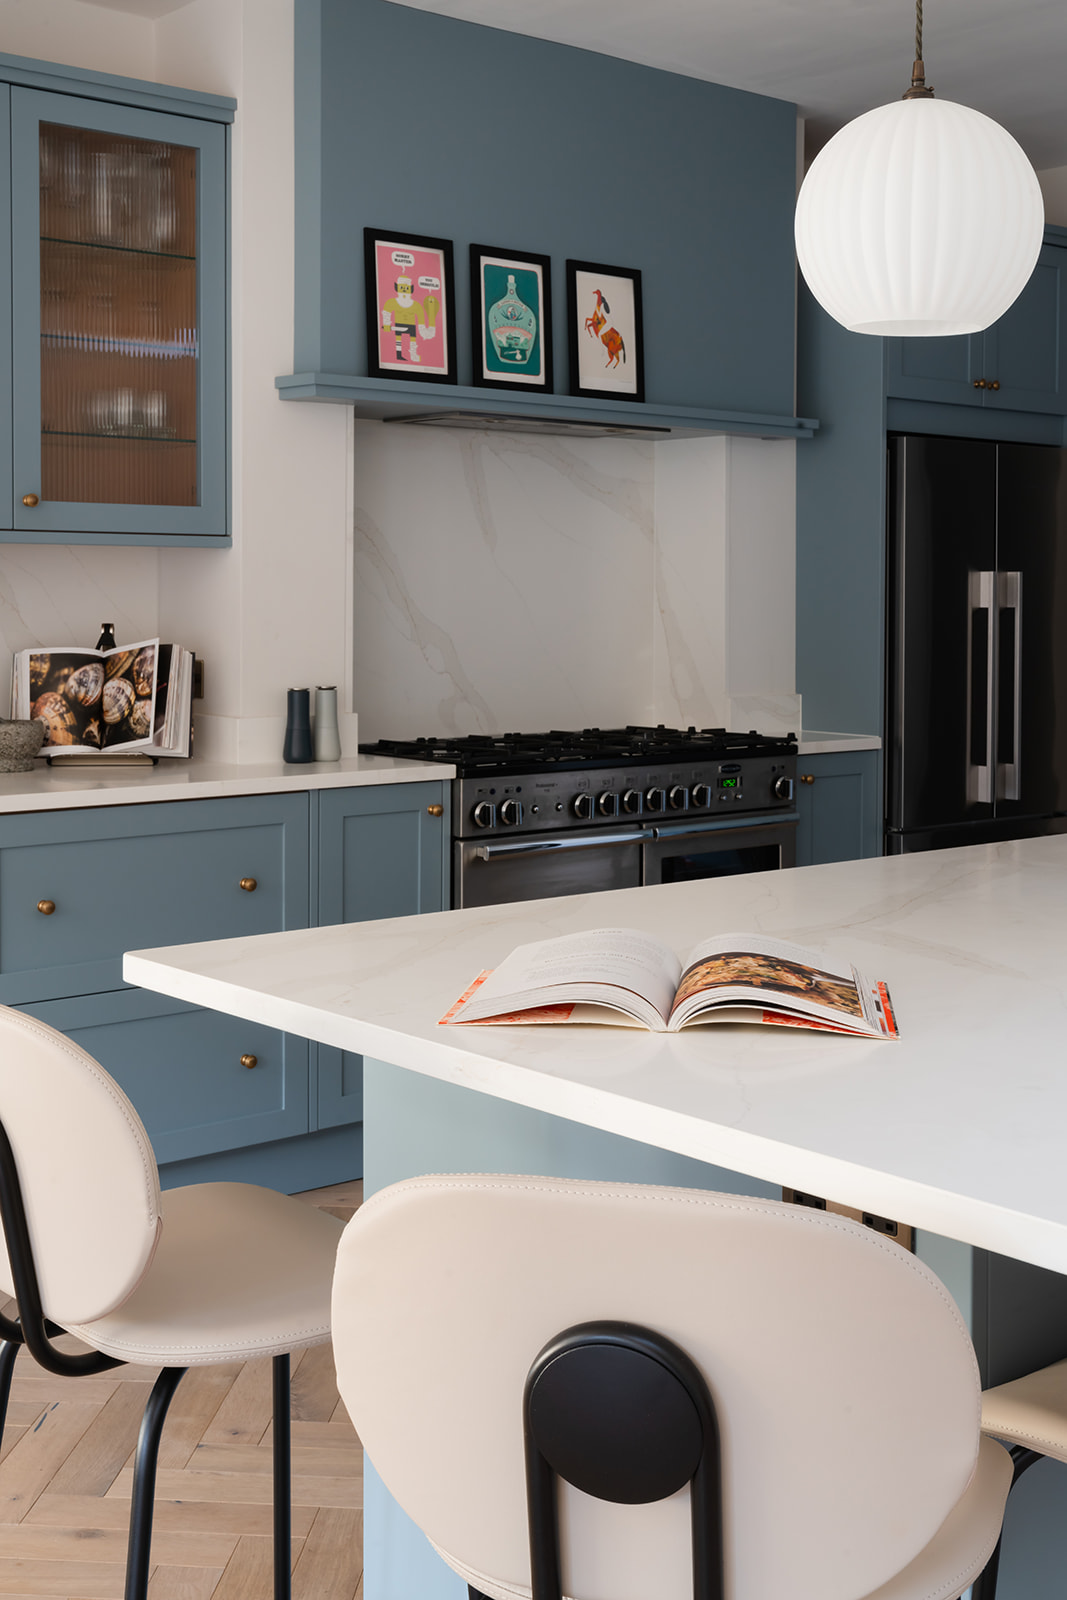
x=1019 y=364
x=113 y=384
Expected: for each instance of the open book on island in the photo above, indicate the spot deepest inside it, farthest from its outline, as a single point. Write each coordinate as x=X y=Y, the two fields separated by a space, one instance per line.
x=630 y=979
x=136 y=700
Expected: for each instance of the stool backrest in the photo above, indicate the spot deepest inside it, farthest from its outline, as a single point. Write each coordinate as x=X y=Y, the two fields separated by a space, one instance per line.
x=88 y=1177
x=841 y=1373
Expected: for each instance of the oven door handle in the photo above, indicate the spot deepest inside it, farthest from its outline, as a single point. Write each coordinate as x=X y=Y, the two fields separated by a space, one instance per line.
x=530 y=847
x=723 y=824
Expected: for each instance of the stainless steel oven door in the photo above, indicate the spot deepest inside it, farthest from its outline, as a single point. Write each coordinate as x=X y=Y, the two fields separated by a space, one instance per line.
x=494 y=872
x=720 y=849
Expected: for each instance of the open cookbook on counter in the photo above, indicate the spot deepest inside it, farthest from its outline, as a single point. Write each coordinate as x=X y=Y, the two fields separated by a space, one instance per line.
x=104 y=703
x=627 y=978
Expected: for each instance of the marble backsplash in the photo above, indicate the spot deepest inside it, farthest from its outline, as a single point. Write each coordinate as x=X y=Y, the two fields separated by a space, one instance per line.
x=507 y=582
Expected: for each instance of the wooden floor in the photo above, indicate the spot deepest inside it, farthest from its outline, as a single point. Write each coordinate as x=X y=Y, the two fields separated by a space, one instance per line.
x=65 y=1476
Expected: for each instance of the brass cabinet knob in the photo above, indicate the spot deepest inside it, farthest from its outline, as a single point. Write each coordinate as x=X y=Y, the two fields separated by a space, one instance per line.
x=46 y=907
x=436 y=811
x=30 y=500
x=807 y=777
x=995 y=384
x=979 y=383
x=250 y=1061
x=248 y=884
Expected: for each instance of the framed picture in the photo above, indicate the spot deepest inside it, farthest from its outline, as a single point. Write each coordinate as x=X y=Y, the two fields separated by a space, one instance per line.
x=411 y=309
x=604 y=331
x=511 y=318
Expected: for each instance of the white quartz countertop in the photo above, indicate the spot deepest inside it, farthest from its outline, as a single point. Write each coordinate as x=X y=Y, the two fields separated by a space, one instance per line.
x=959 y=1127
x=812 y=743
x=61 y=788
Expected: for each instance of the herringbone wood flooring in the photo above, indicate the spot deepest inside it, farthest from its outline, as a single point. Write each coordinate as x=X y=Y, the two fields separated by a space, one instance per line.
x=66 y=1471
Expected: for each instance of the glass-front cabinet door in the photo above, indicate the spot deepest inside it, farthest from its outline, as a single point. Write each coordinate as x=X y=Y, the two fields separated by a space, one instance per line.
x=119 y=329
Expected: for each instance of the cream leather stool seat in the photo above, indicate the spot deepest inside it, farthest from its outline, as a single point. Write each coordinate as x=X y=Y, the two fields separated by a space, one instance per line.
x=834 y=1378
x=211 y=1273
x=1030 y=1411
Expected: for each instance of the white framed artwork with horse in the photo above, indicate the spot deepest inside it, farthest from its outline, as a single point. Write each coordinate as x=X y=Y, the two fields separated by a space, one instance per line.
x=604 y=331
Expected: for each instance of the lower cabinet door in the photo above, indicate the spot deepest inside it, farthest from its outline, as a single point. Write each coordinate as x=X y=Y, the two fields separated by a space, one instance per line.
x=381 y=853
x=839 y=798
x=201 y=1082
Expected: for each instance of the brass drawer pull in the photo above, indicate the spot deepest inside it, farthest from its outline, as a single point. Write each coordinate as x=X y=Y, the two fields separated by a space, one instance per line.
x=979 y=383
x=995 y=384
x=248 y=883
x=46 y=907
x=807 y=777
x=250 y=1061
x=30 y=500
x=436 y=811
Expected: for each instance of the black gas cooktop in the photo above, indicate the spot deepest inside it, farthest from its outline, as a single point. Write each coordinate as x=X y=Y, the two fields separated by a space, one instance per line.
x=496 y=755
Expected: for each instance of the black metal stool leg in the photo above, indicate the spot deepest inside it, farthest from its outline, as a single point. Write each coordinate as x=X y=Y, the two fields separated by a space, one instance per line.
x=283 y=1491
x=144 y=1481
x=8 y=1351
x=475 y=1594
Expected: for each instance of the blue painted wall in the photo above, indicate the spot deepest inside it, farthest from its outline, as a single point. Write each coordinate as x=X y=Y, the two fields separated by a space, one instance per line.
x=416 y=122
x=840 y=524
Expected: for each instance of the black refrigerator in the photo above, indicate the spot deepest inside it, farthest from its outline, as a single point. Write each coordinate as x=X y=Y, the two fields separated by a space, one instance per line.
x=976 y=671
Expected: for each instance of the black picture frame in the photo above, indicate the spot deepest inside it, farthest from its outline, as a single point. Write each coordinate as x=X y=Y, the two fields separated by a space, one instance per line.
x=586 y=302
x=380 y=287
x=533 y=273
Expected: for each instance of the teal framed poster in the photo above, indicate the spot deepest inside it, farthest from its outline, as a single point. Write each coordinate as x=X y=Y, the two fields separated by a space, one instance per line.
x=511 y=318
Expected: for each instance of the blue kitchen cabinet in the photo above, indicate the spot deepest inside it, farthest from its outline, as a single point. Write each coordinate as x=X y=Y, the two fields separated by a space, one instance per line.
x=202 y=1083
x=77 y=888
x=839 y=798
x=114 y=265
x=1018 y=364
x=381 y=853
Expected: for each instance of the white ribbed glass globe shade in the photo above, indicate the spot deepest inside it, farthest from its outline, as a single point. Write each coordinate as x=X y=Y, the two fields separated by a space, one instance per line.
x=920 y=217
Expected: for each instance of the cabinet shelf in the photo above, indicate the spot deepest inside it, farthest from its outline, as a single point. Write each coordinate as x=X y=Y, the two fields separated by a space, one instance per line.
x=118 y=249
x=123 y=438
x=395 y=400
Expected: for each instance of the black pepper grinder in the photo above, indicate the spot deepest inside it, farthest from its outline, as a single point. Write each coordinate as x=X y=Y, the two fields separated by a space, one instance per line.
x=297 y=745
x=106 y=640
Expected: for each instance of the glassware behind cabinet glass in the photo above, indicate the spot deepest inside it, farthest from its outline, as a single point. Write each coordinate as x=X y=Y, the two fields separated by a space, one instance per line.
x=119 y=340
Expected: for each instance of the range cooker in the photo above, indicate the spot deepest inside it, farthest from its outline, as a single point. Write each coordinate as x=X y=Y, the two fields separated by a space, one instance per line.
x=555 y=813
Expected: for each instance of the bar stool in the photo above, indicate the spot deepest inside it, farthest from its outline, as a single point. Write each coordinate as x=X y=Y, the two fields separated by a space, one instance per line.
x=211 y=1273
x=612 y=1391
x=1029 y=1414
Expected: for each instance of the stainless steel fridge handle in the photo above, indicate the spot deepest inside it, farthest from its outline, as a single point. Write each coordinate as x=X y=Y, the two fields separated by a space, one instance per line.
x=584 y=841
x=1009 y=600
x=981 y=595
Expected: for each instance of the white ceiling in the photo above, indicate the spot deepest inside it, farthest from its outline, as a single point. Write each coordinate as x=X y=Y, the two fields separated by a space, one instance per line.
x=835 y=58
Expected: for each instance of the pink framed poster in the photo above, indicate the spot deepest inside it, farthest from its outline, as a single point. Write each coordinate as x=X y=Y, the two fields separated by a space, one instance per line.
x=411 y=322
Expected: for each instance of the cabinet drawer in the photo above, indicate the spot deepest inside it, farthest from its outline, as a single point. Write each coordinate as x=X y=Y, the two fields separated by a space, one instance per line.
x=133 y=877
x=182 y=1069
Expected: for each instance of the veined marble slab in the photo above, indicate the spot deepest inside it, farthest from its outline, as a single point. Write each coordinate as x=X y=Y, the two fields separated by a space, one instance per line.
x=958 y=1128
x=63 y=788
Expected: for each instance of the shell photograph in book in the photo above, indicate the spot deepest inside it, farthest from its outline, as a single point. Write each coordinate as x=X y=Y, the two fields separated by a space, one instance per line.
x=95 y=703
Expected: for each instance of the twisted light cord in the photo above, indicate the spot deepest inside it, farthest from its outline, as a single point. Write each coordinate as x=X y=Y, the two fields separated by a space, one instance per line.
x=918 y=30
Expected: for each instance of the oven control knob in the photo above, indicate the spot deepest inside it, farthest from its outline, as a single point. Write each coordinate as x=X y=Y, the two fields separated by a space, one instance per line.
x=511 y=813
x=631 y=802
x=783 y=788
x=656 y=799
x=678 y=799
x=483 y=815
x=608 y=803
x=582 y=806
x=702 y=794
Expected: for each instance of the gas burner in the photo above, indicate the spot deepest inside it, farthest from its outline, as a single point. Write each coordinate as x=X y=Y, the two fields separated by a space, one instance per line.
x=496 y=755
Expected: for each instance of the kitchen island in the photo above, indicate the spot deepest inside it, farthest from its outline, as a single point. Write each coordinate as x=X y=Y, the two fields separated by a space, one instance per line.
x=957 y=1128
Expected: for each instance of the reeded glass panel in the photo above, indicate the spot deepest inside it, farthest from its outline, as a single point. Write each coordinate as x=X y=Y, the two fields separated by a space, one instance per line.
x=118 y=319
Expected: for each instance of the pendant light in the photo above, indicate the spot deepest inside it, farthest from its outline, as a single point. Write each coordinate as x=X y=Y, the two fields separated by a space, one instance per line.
x=920 y=217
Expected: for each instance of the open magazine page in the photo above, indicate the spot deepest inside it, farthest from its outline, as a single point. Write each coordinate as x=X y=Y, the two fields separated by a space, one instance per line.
x=621 y=968
x=744 y=970
x=87 y=699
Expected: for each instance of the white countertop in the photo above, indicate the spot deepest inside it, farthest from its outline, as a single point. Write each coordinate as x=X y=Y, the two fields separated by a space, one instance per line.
x=61 y=788
x=811 y=743
x=959 y=1127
